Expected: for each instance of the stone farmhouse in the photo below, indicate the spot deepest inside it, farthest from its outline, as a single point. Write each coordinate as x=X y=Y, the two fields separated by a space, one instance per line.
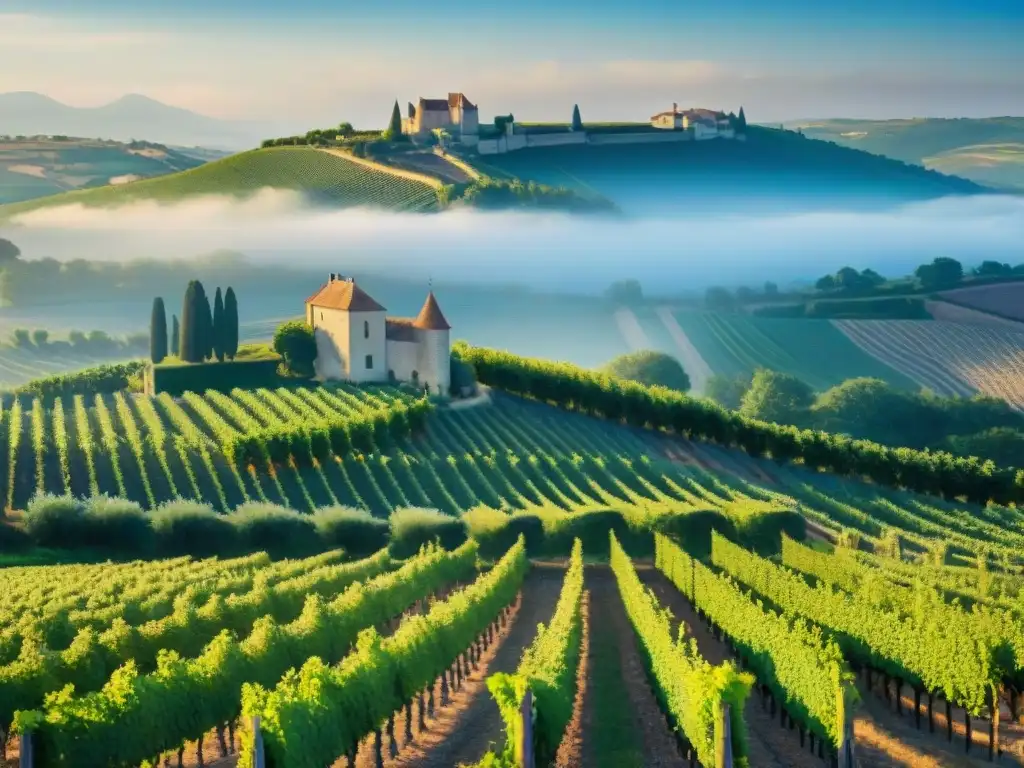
x=356 y=341
x=457 y=115
x=702 y=123
x=458 y=118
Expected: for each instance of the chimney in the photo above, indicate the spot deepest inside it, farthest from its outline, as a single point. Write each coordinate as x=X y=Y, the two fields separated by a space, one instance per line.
x=675 y=108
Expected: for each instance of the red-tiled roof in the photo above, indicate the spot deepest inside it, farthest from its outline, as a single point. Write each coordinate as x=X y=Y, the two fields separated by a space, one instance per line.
x=430 y=317
x=344 y=294
x=400 y=329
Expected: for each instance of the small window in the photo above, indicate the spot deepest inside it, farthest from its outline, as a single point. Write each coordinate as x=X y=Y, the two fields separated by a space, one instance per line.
x=366 y=333
x=369 y=362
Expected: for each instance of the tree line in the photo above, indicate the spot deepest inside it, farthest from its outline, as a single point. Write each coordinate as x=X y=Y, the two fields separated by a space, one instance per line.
x=204 y=333
x=873 y=409
x=939 y=473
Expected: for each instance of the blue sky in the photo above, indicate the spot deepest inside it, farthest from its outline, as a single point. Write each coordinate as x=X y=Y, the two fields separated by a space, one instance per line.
x=314 y=60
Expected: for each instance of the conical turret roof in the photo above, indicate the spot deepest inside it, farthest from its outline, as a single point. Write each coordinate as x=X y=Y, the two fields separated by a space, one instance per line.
x=431 y=318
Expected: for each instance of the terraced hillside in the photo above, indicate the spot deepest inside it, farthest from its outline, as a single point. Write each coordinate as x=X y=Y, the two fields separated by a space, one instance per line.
x=735 y=344
x=323 y=177
x=1005 y=301
x=948 y=358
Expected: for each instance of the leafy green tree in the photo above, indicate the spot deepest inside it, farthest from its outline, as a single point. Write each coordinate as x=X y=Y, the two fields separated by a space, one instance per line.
x=219 y=329
x=394 y=129
x=727 y=391
x=826 y=283
x=294 y=341
x=777 y=397
x=577 y=121
x=848 y=278
x=21 y=338
x=627 y=292
x=719 y=299
x=1003 y=445
x=771 y=289
x=230 y=324
x=9 y=252
x=651 y=368
x=993 y=269
x=175 y=335
x=40 y=337
x=943 y=272
x=158 y=331
x=872 y=409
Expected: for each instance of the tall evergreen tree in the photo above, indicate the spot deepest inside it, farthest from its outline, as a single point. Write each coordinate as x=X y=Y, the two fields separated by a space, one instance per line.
x=158 y=331
x=219 y=331
x=175 y=336
x=742 y=120
x=206 y=314
x=577 y=121
x=394 y=130
x=230 y=324
x=191 y=325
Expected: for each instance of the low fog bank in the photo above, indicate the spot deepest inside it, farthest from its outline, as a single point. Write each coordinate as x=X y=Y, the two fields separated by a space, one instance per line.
x=543 y=251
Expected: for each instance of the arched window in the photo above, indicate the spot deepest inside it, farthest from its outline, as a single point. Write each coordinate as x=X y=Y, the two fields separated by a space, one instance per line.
x=366 y=329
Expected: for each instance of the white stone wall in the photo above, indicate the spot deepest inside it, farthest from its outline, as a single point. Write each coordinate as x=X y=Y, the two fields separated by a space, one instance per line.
x=362 y=344
x=555 y=139
x=403 y=358
x=702 y=132
x=328 y=364
x=660 y=137
x=331 y=330
x=435 y=361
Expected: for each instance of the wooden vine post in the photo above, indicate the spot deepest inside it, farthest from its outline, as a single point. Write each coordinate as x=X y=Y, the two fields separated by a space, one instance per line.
x=258 y=758
x=847 y=759
x=25 y=750
x=526 y=757
x=723 y=734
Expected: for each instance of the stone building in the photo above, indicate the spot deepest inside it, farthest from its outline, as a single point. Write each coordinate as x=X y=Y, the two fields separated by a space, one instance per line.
x=458 y=116
x=356 y=341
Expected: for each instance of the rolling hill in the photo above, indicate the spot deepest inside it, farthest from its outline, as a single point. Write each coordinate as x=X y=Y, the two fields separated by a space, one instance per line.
x=39 y=166
x=326 y=178
x=772 y=169
x=989 y=151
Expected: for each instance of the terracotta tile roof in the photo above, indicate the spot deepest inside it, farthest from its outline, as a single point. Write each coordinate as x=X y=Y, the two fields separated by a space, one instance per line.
x=460 y=100
x=430 y=317
x=344 y=294
x=400 y=329
x=433 y=105
x=666 y=114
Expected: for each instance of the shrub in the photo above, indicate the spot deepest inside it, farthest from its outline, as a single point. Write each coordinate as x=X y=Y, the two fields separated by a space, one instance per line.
x=192 y=528
x=692 y=529
x=762 y=531
x=655 y=369
x=591 y=527
x=295 y=342
x=412 y=527
x=55 y=521
x=355 y=530
x=497 y=531
x=90 y=381
x=118 y=525
x=276 y=530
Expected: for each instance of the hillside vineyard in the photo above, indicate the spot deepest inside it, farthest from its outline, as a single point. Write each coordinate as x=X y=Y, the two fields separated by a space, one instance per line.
x=734 y=609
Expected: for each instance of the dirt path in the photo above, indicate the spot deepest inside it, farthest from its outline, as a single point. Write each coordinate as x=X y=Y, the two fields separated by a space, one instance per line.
x=770 y=746
x=471 y=724
x=693 y=363
x=631 y=329
x=622 y=725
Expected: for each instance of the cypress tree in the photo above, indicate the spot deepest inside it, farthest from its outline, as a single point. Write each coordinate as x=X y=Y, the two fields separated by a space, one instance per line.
x=175 y=336
x=230 y=324
x=577 y=121
x=394 y=130
x=158 y=331
x=190 y=325
x=218 y=325
x=742 y=121
x=205 y=313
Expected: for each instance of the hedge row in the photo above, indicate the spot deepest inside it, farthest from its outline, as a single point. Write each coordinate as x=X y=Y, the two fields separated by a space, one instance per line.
x=881 y=308
x=102 y=379
x=222 y=376
x=574 y=388
x=317 y=440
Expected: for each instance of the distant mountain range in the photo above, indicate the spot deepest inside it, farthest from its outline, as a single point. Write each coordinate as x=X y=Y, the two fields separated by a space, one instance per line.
x=130 y=117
